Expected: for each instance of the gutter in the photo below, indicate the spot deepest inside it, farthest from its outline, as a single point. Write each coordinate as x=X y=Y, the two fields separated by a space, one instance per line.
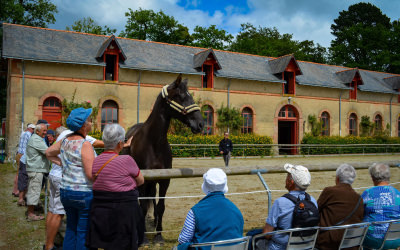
x=229 y=88
x=390 y=114
x=138 y=96
x=340 y=113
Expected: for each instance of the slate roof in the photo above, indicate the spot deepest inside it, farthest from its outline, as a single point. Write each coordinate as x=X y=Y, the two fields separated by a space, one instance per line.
x=200 y=58
x=38 y=44
x=393 y=81
x=105 y=45
x=348 y=75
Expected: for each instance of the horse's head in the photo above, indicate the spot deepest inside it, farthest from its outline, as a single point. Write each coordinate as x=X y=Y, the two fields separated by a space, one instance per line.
x=182 y=105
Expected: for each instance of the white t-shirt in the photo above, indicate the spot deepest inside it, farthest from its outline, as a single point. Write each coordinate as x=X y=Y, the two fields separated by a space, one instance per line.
x=57 y=170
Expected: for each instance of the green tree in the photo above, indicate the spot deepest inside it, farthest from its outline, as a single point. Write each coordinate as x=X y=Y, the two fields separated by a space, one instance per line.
x=366 y=126
x=155 y=26
x=211 y=37
x=269 y=42
x=394 y=41
x=361 y=38
x=229 y=118
x=88 y=25
x=38 y=13
x=316 y=126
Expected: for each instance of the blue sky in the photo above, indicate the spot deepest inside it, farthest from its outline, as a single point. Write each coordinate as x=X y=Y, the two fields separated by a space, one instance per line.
x=304 y=19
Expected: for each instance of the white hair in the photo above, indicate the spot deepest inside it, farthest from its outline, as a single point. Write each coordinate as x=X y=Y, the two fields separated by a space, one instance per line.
x=379 y=172
x=112 y=135
x=39 y=127
x=346 y=173
x=59 y=130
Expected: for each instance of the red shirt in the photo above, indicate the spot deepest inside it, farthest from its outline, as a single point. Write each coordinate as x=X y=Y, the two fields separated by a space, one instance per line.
x=118 y=175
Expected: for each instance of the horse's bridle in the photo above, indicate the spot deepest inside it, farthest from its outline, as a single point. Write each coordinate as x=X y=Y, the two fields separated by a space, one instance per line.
x=181 y=109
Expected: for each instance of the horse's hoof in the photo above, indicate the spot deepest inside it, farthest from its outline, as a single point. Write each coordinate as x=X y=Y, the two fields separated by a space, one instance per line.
x=158 y=240
x=145 y=242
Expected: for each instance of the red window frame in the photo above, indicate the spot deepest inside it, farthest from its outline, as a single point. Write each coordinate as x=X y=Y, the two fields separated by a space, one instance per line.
x=112 y=50
x=109 y=108
x=208 y=114
x=353 y=124
x=325 y=119
x=247 y=127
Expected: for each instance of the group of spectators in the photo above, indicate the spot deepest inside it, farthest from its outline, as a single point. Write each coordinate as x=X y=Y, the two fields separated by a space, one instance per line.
x=215 y=218
x=99 y=194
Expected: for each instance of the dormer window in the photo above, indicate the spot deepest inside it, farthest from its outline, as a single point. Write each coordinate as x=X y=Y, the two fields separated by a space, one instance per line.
x=287 y=68
x=289 y=85
x=207 y=62
x=112 y=55
x=111 y=58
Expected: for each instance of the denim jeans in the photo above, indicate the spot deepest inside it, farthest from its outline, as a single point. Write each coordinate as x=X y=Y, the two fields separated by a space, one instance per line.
x=77 y=207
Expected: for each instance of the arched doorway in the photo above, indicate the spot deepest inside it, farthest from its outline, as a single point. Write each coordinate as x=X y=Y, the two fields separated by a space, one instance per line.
x=288 y=129
x=51 y=112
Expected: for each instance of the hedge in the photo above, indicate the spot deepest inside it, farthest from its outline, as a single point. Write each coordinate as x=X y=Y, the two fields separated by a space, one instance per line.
x=348 y=140
x=212 y=151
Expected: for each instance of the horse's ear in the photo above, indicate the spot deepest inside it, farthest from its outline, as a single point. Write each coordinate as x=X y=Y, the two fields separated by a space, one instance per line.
x=177 y=81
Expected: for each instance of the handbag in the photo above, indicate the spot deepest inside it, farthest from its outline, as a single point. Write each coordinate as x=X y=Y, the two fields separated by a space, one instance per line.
x=98 y=172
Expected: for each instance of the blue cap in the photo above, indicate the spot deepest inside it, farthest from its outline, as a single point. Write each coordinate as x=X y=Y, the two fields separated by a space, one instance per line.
x=51 y=132
x=77 y=118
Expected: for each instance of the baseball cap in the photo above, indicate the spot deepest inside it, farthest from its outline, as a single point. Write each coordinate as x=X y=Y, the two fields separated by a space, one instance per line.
x=77 y=118
x=41 y=121
x=31 y=126
x=214 y=180
x=300 y=175
x=51 y=132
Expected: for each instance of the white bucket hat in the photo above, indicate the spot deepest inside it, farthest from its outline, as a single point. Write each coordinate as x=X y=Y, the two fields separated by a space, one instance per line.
x=214 y=180
x=31 y=126
x=300 y=175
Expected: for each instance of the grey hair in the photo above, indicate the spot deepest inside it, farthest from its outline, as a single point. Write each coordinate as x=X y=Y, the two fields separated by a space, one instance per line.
x=346 y=173
x=379 y=172
x=112 y=135
x=39 y=127
x=59 y=130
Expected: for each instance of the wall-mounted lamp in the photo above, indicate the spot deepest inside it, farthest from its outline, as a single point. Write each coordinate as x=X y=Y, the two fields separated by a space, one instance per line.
x=289 y=100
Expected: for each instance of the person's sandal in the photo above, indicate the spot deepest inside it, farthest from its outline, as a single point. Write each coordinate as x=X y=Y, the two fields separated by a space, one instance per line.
x=35 y=218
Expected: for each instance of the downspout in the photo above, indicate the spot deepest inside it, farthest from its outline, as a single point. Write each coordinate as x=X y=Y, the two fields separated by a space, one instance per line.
x=390 y=114
x=23 y=95
x=340 y=113
x=138 y=95
x=229 y=88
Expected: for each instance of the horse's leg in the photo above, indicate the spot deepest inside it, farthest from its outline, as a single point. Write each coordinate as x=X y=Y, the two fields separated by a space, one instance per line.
x=160 y=208
x=146 y=190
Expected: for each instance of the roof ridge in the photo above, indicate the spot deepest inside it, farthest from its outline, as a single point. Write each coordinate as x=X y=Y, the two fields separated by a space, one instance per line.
x=282 y=56
x=67 y=31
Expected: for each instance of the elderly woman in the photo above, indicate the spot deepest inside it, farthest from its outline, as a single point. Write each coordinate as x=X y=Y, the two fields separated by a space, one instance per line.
x=381 y=202
x=339 y=205
x=215 y=217
x=116 y=219
x=77 y=156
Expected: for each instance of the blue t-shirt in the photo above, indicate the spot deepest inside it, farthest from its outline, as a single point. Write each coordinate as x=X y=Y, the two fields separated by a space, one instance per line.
x=381 y=203
x=280 y=217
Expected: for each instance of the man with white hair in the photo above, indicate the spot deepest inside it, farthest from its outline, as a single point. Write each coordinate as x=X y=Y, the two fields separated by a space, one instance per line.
x=281 y=214
x=37 y=166
x=215 y=217
x=339 y=205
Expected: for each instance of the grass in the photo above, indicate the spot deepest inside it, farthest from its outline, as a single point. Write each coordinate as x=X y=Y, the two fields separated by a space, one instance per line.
x=15 y=231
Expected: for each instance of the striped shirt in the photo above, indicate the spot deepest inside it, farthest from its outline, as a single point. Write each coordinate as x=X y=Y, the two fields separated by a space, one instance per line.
x=187 y=232
x=23 y=141
x=118 y=175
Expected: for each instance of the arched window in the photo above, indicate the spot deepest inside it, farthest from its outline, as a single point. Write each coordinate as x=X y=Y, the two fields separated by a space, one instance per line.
x=378 y=122
x=247 y=115
x=208 y=114
x=325 y=119
x=353 y=124
x=109 y=113
x=287 y=112
x=52 y=112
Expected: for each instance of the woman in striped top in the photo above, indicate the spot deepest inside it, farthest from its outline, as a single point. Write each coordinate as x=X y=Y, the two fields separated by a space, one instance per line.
x=116 y=218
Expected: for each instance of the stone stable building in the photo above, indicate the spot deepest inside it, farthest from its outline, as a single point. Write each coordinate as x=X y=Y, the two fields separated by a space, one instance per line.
x=124 y=76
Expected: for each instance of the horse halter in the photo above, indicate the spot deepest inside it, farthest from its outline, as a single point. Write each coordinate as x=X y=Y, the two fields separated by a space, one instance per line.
x=181 y=109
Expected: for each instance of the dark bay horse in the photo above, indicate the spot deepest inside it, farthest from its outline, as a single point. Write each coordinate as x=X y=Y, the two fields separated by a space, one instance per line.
x=150 y=147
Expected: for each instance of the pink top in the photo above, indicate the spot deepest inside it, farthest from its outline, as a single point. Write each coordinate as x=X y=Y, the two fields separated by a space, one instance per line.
x=118 y=175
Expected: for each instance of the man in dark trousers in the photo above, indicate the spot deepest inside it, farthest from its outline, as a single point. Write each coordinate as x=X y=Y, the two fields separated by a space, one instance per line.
x=225 y=148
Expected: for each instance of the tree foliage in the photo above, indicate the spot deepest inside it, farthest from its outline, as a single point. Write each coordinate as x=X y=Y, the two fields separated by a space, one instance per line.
x=269 y=42
x=155 y=26
x=229 y=118
x=38 y=13
x=88 y=25
x=211 y=37
x=316 y=126
x=361 y=38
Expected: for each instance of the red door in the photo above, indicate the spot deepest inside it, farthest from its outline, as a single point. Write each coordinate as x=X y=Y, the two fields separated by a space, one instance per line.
x=52 y=112
x=288 y=129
